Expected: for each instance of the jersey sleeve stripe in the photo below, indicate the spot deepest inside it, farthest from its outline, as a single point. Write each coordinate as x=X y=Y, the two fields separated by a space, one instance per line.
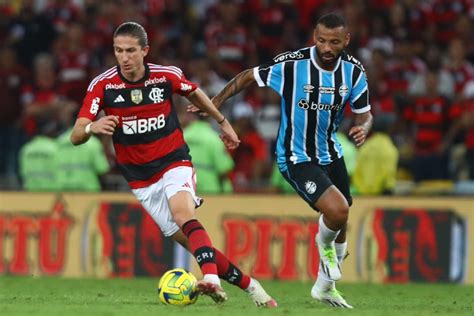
x=166 y=69
x=363 y=110
x=176 y=69
x=358 y=79
x=354 y=100
x=112 y=71
x=257 y=77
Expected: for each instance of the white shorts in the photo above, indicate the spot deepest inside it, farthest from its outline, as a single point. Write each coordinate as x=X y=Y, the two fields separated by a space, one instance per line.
x=154 y=198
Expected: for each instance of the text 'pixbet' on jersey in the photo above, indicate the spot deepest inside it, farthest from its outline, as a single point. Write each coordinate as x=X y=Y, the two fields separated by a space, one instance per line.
x=145 y=125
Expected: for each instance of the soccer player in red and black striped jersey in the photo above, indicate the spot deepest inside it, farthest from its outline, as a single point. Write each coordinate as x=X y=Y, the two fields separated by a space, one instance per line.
x=152 y=154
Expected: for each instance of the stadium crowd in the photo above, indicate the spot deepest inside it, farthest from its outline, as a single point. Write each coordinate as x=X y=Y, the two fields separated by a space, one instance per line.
x=419 y=58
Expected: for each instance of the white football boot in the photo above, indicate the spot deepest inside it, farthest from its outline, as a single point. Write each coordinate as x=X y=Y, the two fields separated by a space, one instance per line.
x=259 y=296
x=331 y=297
x=211 y=289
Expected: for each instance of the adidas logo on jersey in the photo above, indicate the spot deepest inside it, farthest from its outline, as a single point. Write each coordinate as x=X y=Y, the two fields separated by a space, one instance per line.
x=119 y=99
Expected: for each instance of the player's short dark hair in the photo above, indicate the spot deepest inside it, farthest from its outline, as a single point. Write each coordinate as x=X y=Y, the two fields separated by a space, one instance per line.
x=332 y=20
x=134 y=30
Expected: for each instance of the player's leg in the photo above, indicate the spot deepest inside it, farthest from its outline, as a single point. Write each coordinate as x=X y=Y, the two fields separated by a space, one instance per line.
x=312 y=183
x=339 y=177
x=334 y=209
x=183 y=210
x=156 y=201
x=324 y=288
x=232 y=274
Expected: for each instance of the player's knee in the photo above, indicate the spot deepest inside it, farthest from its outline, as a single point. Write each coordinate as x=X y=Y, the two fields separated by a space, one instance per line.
x=182 y=216
x=338 y=213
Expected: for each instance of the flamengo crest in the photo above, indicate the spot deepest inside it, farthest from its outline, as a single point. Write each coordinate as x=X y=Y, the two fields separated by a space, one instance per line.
x=156 y=95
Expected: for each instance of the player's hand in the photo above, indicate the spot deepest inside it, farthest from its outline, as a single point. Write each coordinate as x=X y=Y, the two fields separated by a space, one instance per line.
x=228 y=136
x=194 y=109
x=105 y=125
x=358 y=134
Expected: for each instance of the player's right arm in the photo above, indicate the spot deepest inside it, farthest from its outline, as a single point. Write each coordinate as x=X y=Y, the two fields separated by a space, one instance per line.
x=240 y=82
x=237 y=84
x=86 y=123
x=103 y=126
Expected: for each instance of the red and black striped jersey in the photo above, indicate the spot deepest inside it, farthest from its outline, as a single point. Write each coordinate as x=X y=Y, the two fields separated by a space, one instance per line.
x=148 y=140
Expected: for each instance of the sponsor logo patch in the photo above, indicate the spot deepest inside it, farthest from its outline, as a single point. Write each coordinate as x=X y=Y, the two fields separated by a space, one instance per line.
x=136 y=96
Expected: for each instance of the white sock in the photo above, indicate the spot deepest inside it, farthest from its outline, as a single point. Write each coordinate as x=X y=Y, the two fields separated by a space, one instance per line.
x=323 y=283
x=251 y=284
x=326 y=235
x=341 y=250
x=212 y=278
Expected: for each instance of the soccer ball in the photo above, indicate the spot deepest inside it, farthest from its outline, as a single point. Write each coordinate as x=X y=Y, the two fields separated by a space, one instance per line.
x=178 y=287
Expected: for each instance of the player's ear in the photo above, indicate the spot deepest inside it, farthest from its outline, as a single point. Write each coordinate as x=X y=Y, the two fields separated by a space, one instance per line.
x=347 y=39
x=145 y=50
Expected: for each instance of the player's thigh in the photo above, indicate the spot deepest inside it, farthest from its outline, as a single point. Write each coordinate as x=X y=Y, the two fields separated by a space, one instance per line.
x=309 y=180
x=180 y=190
x=180 y=179
x=154 y=201
x=337 y=172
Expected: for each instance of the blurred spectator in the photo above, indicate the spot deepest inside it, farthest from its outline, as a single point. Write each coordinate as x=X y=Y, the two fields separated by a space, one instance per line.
x=210 y=158
x=403 y=67
x=12 y=77
x=428 y=119
x=30 y=33
x=208 y=80
x=44 y=100
x=458 y=66
x=251 y=157
x=375 y=170
x=61 y=13
x=463 y=128
x=380 y=38
x=435 y=75
x=276 y=24
x=79 y=168
x=37 y=160
x=228 y=42
x=268 y=118
x=74 y=63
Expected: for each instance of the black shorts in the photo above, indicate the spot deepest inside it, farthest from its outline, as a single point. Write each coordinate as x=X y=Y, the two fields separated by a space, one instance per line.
x=310 y=180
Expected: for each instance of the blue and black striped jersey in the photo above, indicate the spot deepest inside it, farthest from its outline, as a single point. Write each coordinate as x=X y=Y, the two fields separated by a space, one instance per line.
x=312 y=103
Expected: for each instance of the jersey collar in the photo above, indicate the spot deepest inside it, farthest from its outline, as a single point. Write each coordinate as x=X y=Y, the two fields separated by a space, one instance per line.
x=314 y=58
x=143 y=79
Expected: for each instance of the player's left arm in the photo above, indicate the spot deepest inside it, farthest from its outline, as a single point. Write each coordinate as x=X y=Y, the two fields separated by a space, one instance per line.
x=360 y=105
x=199 y=99
x=361 y=128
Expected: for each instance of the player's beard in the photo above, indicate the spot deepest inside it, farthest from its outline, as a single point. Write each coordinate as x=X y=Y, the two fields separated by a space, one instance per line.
x=330 y=63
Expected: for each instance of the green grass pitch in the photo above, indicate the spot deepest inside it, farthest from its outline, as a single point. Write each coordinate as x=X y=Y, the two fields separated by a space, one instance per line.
x=58 y=296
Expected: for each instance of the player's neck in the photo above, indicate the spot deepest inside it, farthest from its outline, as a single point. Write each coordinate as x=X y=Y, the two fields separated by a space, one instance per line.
x=327 y=67
x=136 y=75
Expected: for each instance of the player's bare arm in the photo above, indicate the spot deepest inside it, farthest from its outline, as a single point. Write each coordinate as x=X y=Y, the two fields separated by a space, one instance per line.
x=363 y=124
x=84 y=128
x=200 y=100
x=237 y=84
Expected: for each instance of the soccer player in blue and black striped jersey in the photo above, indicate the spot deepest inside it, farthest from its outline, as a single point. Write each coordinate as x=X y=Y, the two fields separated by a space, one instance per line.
x=315 y=84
